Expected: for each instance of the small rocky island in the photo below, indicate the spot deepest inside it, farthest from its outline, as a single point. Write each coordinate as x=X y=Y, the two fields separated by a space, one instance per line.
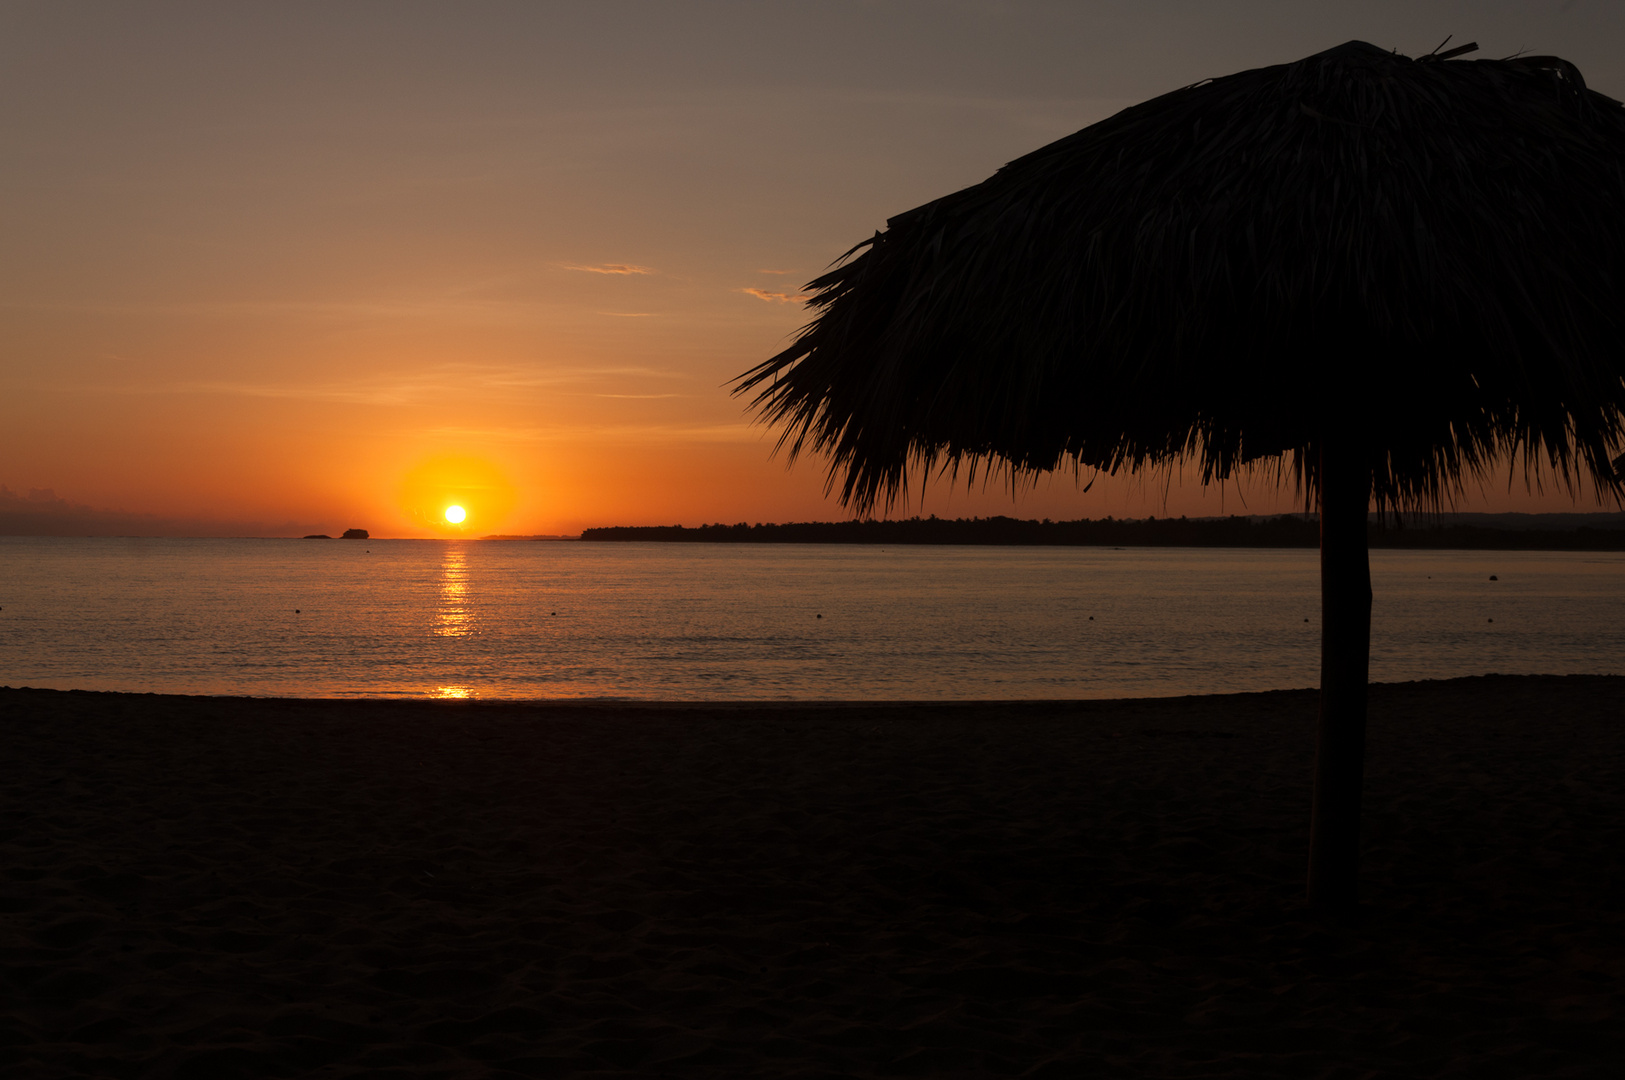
x=354 y=534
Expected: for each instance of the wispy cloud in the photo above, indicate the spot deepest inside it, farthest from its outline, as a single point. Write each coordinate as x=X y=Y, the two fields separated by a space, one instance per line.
x=774 y=297
x=618 y=433
x=608 y=268
x=629 y=314
x=454 y=305
x=412 y=389
x=776 y=273
x=357 y=393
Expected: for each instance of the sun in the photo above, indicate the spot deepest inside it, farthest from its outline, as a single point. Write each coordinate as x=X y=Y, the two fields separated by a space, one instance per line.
x=450 y=495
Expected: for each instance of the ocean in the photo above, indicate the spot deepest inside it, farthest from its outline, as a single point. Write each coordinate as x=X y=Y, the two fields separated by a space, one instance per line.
x=561 y=619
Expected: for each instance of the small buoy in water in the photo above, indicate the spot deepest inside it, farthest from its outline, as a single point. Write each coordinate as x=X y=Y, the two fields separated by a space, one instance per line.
x=1306 y=620
x=552 y=613
x=1492 y=620
x=818 y=616
x=296 y=611
x=1494 y=578
x=1091 y=618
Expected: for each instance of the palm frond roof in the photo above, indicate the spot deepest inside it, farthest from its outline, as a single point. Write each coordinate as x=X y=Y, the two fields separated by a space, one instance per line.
x=1427 y=256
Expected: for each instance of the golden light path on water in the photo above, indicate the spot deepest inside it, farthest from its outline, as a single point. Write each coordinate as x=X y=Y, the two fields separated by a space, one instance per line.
x=455 y=615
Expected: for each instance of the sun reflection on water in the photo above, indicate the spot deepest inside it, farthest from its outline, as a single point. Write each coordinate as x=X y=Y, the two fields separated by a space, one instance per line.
x=453 y=692
x=455 y=618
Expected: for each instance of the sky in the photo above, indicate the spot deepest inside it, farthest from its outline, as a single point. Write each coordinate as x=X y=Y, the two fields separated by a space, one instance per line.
x=273 y=267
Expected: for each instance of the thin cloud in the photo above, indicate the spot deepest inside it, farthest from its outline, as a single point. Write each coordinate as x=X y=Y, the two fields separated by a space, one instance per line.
x=619 y=433
x=430 y=308
x=516 y=377
x=354 y=394
x=774 y=297
x=630 y=314
x=776 y=273
x=609 y=268
x=431 y=385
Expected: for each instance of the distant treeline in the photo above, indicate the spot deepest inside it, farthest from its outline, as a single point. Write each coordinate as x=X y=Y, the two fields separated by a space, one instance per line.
x=1290 y=530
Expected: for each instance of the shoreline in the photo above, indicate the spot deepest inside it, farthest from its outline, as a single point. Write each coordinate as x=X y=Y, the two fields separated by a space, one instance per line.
x=1468 y=682
x=260 y=887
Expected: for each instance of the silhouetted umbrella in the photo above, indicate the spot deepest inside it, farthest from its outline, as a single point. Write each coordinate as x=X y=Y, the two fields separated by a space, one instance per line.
x=1378 y=274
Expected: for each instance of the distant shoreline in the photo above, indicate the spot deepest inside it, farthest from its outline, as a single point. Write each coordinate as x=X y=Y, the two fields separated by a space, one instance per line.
x=1537 y=533
x=1600 y=532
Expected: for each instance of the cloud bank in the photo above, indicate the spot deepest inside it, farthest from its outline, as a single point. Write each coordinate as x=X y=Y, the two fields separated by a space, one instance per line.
x=42 y=513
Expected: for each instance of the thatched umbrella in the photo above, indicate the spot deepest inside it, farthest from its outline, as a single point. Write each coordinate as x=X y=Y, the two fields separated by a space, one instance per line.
x=1376 y=274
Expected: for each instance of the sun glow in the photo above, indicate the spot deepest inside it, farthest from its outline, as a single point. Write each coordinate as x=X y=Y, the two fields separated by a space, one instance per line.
x=449 y=494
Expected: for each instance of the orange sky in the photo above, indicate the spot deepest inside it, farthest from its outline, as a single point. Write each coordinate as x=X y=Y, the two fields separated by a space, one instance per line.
x=337 y=265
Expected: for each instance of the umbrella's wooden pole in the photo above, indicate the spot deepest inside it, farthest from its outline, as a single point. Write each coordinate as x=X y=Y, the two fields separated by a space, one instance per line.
x=1345 y=659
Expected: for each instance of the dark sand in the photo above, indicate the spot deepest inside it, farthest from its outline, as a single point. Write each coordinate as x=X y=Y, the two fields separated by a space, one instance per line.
x=210 y=888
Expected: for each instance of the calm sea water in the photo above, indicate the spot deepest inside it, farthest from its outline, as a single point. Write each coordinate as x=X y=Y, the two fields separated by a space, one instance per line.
x=516 y=619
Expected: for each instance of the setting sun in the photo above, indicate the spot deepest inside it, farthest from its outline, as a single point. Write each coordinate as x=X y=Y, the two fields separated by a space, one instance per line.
x=448 y=494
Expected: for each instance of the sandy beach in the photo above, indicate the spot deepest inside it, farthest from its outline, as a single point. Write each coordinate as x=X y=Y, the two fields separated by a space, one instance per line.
x=214 y=887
